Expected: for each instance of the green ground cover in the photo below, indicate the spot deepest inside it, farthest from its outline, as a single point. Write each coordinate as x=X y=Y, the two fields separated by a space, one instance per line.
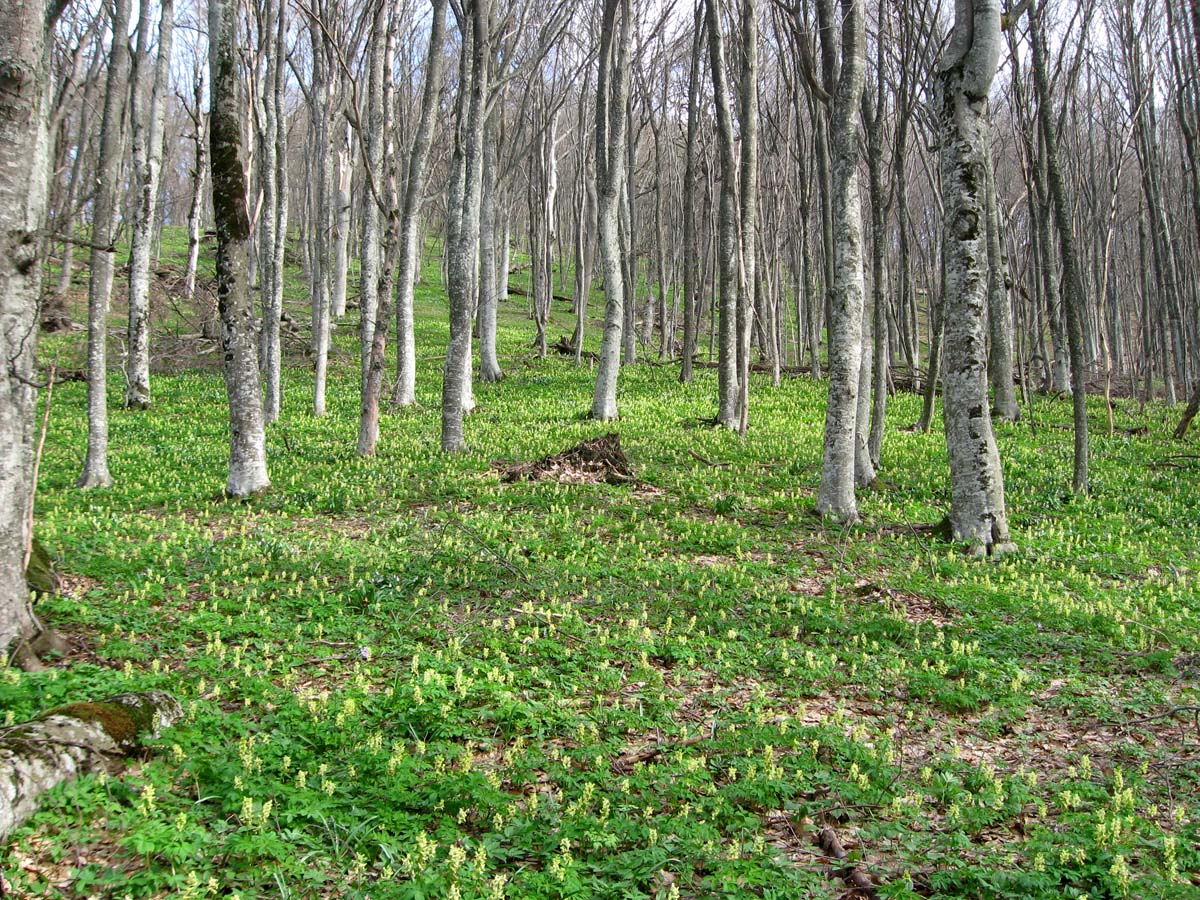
x=404 y=678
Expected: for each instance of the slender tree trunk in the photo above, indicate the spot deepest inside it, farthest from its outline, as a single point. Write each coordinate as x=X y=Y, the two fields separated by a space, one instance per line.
x=385 y=261
x=977 y=511
x=1000 y=327
x=489 y=364
x=272 y=302
x=612 y=93
x=247 y=443
x=147 y=163
x=199 y=175
x=463 y=251
x=691 y=248
x=1073 y=279
x=729 y=337
x=405 y=393
x=105 y=211
x=748 y=251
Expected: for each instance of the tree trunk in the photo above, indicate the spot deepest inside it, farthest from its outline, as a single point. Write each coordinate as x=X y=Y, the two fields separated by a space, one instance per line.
x=73 y=740
x=147 y=164
x=835 y=497
x=24 y=169
x=612 y=93
x=105 y=212
x=977 y=511
x=1000 y=327
x=247 y=443
x=463 y=250
x=405 y=393
x=489 y=365
x=691 y=249
x=1073 y=279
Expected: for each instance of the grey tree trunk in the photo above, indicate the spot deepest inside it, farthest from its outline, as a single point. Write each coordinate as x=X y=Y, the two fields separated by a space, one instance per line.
x=748 y=248
x=24 y=169
x=199 y=174
x=489 y=365
x=274 y=236
x=729 y=339
x=612 y=94
x=371 y=212
x=147 y=164
x=835 y=498
x=323 y=212
x=105 y=212
x=405 y=393
x=463 y=250
x=691 y=249
x=341 y=222
x=247 y=441
x=73 y=740
x=977 y=511
x=1073 y=278
x=1000 y=324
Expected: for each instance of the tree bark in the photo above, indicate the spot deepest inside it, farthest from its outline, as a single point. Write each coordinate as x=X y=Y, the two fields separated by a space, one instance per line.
x=977 y=511
x=74 y=740
x=25 y=30
x=247 y=441
x=835 y=497
x=405 y=393
x=612 y=93
x=147 y=164
x=105 y=211
x=463 y=249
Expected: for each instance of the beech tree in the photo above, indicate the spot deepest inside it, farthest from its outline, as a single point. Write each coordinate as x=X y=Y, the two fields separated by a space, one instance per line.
x=105 y=219
x=247 y=440
x=977 y=511
x=24 y=170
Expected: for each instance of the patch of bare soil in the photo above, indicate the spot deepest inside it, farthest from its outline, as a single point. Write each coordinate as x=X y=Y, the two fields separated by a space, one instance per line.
x=591 y=462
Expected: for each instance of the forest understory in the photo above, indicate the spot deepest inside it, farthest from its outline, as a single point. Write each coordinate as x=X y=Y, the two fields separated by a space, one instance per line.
x=412 y=676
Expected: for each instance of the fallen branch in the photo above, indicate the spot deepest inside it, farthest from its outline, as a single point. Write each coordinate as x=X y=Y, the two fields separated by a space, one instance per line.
x=73 y=740
x=624 y=763
x=708 y=462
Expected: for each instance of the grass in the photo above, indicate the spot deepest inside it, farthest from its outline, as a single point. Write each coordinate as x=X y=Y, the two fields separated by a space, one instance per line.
x=405 y=679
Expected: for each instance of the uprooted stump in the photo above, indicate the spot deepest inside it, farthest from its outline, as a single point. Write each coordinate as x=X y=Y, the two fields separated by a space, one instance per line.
x=64 y=743
x=598 y=460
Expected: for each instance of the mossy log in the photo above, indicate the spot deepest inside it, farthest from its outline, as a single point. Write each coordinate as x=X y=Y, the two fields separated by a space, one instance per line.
x=68 y=741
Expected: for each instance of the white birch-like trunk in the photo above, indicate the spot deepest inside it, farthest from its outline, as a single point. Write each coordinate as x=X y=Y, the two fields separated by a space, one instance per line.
x=247 y=440
x=272 y=304
x=105 y=211
x=147 y=165
x=489 y=364
x=977 y=512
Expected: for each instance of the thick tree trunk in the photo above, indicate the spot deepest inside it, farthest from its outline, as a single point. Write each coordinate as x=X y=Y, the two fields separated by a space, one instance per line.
x=835 y=497
x=74 y=740
x=105 y=211
x=147 y=164
x=24 y=169
x=612 y=92
x=247 y=443
x=977 y=511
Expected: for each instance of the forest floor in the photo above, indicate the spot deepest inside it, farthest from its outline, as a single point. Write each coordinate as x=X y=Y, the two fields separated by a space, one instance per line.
x=406 y=677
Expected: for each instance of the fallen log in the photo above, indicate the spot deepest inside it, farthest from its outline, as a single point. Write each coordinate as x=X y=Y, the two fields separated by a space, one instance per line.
x=73 y=740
